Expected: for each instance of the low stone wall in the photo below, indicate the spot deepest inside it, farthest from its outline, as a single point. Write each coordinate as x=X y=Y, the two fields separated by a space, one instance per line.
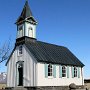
x=48 y=88
x=78 y=89
x=40 y=88
x=44 y=88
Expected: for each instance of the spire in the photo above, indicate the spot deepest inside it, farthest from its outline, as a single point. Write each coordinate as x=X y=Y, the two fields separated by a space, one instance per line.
x=26 y=13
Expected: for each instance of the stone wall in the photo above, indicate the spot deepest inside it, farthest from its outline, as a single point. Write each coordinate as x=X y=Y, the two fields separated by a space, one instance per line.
x=40 y=88
x=48 y=88
x=43 y=88
x=78 y=89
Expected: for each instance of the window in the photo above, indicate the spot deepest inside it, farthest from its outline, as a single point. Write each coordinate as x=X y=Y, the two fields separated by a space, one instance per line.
x=20 y=50
x=63 y=71
x=20 y=31
x=49 y=70
x=30 y=32
x=20 y=28
x=75 y=72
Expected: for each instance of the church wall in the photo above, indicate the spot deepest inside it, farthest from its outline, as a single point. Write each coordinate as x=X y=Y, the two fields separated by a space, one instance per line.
x=29 y=68
x=11 y=70
x=51 y=81
x=34 y=73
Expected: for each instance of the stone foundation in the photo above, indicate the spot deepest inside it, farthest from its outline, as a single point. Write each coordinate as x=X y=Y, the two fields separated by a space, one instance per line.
x=40 y=88
x=43 y=88
x=48 y=88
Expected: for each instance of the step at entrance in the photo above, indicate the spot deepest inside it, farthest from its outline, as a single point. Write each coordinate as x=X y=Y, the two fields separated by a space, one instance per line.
x=19 y=88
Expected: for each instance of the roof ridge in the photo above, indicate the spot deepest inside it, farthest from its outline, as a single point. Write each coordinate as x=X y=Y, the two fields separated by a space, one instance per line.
x=52 y=44
x=51 y=53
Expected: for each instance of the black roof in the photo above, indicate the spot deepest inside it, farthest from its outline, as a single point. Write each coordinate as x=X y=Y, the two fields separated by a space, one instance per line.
x=50 y=53
x=26 y=14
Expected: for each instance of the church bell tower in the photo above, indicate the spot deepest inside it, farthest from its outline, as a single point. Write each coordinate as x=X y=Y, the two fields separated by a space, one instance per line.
x=26 y=24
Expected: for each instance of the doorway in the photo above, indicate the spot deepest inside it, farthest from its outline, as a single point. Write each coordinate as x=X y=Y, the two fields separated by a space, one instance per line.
x=20 y=74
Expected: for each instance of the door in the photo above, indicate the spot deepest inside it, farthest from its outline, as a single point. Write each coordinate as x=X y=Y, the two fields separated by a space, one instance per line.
x=20 y=71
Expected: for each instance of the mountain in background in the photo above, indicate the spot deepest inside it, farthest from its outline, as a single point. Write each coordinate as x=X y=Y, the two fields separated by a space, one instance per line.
x=3 y=78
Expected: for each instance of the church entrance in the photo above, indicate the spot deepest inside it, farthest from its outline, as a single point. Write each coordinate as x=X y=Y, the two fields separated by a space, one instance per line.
x=20 y=73
x=20 y=70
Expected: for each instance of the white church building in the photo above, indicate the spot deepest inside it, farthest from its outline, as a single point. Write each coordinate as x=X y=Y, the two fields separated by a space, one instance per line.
x=37 y=63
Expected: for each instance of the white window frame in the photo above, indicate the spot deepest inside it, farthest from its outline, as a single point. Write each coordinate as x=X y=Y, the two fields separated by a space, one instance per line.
x=50 y=70
x=75 y=72
x=20 y=31
x=64 y=72
x=30 y=32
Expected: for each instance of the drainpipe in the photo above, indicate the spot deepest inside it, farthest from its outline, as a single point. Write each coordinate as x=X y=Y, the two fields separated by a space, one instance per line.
x=82 y=75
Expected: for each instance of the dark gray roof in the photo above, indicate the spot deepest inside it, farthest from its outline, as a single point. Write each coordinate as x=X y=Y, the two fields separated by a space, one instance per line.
x=50 y=53
x=26 y=14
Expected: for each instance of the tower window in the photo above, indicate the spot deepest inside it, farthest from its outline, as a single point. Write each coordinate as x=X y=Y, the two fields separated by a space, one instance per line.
x=49 y=70
x=20 y=31
x=20 y=28
x=30 y=32
x=20 y=50
x=30 y=28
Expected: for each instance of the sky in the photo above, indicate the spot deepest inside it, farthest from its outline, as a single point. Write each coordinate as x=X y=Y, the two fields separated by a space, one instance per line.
x=62 y=22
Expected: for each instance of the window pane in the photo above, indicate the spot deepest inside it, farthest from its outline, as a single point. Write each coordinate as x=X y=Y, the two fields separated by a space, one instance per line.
x=30 y=32
x=48 y=69
x=48 y=74
x=20 y=31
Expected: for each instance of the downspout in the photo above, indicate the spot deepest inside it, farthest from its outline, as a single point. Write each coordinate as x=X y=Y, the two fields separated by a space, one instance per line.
x=82 y=76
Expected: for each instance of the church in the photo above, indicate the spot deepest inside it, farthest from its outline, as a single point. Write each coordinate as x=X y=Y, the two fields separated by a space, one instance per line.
x=34 y=63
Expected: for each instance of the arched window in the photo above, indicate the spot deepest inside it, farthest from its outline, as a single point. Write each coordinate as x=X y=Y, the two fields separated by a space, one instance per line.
x=20 y=31
x=49 y=70
x=63 y=71
x=30 y=32
x=75 y=72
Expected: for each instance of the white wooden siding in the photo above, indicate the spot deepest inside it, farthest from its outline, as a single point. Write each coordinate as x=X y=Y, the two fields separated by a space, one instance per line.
x=64 y=81
x=29 y=69
x=34 y=73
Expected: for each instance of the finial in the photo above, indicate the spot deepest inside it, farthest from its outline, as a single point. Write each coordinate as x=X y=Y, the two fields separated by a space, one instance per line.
x=26 y=0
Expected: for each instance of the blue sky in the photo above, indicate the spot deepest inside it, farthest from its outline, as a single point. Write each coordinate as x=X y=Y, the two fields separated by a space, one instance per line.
x=61 y=22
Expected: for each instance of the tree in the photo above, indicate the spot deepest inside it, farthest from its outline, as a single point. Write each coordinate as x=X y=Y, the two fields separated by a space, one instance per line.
x=4 y=51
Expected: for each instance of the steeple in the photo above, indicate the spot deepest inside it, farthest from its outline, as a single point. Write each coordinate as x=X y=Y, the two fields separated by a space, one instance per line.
x=26 y=24
x=26 y=15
